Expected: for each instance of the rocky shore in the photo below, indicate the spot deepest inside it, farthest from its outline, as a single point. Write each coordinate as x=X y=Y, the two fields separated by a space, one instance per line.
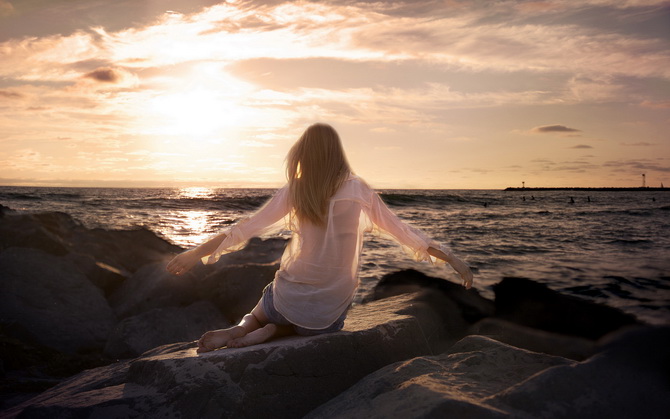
x=91 y=325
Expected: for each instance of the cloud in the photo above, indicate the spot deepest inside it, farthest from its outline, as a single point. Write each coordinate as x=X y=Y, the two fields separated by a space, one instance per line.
x=660 y=104
x=9 y=94
x=638 y=144
x=6 y=8
x=553 y=128
x=104 y=75
x=581 y=146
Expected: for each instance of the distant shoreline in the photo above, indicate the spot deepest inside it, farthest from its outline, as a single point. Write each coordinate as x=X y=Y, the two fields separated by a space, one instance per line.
x=606 y=189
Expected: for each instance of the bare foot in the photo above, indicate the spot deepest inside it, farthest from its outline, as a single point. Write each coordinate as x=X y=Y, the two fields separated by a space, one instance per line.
x=255 y=337
x=217 y=338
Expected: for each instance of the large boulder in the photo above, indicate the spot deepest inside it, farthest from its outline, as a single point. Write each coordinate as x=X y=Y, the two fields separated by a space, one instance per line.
x=533 y=304
x=37 y=231
x=536 y=340
x=458 y=308
x=284 y=378
x=236 y=289
x=135 y=335
x=47 y=300
x=152 y=286
x=483 y=378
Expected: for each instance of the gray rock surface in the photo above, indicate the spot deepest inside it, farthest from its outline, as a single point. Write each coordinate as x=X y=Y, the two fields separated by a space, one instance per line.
x=285 y=378
x=47 y=300
x=483 y=378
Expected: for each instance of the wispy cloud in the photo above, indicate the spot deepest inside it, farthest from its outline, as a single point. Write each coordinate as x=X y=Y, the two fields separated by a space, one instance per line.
x=544 y=129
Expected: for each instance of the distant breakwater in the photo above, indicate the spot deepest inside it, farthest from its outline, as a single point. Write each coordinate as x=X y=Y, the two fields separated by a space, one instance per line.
x=604 y=189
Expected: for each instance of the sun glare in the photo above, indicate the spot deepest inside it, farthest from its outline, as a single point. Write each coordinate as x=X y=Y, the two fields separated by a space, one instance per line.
x=196 y=193
x=194 y=113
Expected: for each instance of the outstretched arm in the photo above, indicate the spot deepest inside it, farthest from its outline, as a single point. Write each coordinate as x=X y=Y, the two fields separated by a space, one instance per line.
x=458 y=265
x=235 y=237
x=382 y=216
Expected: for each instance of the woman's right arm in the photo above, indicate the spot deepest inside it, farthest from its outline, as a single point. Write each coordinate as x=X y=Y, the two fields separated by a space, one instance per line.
x=267 y=216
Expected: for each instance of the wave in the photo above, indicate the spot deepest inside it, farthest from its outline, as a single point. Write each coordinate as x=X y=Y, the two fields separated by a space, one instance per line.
x=402 y=199
x=630 y=241
x=19 y=196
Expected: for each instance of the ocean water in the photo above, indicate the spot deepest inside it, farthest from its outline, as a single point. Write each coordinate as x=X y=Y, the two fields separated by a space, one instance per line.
x=610 y=247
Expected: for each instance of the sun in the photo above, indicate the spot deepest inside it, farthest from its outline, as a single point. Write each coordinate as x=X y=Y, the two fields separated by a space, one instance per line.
x=192 y=113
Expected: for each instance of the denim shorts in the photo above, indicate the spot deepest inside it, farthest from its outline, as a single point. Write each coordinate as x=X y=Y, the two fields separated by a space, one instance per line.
x=275 y=317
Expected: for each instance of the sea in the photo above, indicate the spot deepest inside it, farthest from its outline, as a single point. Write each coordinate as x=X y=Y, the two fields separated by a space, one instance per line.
x=611 y=247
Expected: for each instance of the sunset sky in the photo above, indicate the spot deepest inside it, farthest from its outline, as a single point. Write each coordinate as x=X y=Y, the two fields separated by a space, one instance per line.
x=425 y=94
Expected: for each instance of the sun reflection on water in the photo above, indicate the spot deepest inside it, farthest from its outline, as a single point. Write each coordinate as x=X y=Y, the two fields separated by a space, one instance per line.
x=196 y=193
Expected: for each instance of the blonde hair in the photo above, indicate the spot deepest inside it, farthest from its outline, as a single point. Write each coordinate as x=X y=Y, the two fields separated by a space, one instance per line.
x=316 y=167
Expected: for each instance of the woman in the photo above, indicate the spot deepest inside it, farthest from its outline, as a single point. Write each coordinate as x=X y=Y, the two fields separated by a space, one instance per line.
x=328 y=209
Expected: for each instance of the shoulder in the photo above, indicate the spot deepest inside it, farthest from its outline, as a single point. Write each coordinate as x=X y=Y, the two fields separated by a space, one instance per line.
x=355 y=188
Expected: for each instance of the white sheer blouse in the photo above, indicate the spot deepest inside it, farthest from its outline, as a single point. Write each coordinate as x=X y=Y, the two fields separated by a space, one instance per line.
x=318 y=274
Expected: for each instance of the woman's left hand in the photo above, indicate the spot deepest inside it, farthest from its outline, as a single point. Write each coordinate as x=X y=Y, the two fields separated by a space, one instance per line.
x=463 y=270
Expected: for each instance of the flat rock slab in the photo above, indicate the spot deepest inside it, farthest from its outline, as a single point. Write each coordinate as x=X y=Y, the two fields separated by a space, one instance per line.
x=280 y=379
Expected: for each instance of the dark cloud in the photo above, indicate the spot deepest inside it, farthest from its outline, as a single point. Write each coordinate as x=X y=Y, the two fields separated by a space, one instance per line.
x=554 y=128
x=10 y=95
x=581 y=146
x=104 y=75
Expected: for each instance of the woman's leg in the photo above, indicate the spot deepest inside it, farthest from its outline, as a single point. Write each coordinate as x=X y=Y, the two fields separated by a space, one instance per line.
x=223 y=337
x=261 y=334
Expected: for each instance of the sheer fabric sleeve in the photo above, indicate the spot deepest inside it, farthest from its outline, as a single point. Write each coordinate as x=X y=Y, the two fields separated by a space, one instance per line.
x=272 y=217
x=413 y=241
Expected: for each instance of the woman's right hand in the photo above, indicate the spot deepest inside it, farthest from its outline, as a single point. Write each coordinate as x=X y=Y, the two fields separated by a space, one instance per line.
x=183 y=262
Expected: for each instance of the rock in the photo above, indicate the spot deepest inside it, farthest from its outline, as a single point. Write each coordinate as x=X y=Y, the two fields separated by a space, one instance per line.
x=535 y=340
x=453 y=384
x=629 y=378
x=47 y=300
x=482 y=378
x=136 y=335
x=36 y=231
x=472 y=306
x=103 y=276
x=459 y=308
x=152 y=286
x=236 y=289
x=125 y=250
x=284 y=378
x=533 y=304
x=256 y=251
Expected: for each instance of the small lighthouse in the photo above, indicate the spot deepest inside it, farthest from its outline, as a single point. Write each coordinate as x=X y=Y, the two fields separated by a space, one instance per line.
x=644 y=180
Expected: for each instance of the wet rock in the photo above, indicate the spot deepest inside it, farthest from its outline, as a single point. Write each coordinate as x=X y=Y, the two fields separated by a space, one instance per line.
x=47 y=300
x=135 y=335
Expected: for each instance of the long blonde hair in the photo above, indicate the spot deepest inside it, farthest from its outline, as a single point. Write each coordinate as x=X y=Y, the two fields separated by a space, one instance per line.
x=316 y=167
